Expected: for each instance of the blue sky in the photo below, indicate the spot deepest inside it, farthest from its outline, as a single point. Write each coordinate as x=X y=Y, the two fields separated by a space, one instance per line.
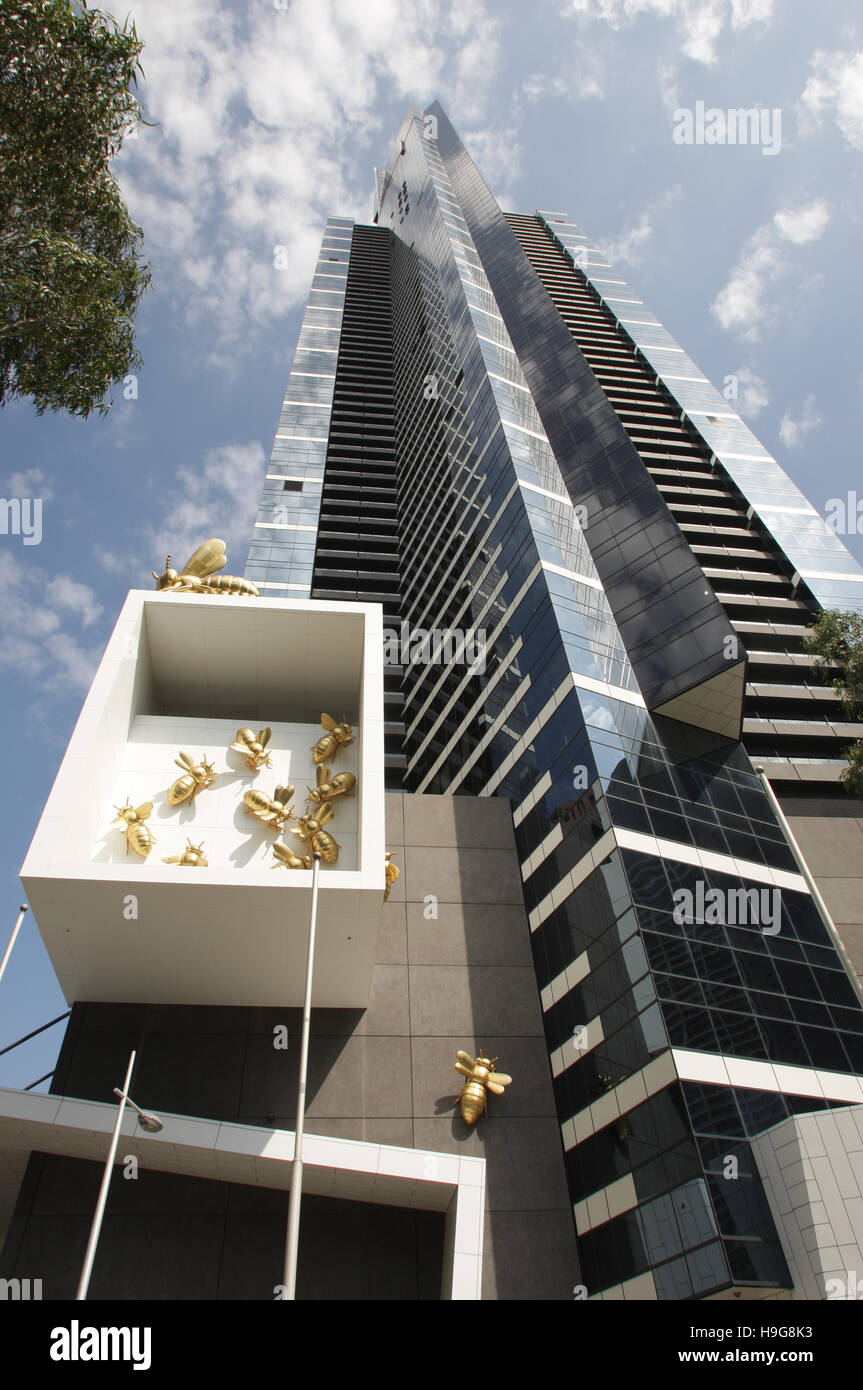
x=270 y=115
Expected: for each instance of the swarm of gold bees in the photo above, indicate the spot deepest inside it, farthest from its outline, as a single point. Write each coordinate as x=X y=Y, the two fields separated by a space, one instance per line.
x=309 y=829
x=273 y=811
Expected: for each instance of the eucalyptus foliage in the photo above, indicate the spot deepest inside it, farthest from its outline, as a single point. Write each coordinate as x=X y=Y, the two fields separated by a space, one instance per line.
x=837 y=641
x=71 y=273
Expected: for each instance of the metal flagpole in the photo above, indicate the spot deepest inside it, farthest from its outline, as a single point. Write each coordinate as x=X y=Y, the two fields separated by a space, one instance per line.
x=96 y=1227
x=15 y=930
x=293 y=1236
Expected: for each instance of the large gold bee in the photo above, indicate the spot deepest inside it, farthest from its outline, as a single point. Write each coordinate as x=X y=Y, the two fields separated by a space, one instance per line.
x=196 y=777
x=391 y=871
x=139 y=836
x=199 y=575
x=328 y=787
x=287 y=859
x=273 y=811
x=338 y=736
x=253 y=747
x=192 y=856
x=310 y=829
x=482 y=1078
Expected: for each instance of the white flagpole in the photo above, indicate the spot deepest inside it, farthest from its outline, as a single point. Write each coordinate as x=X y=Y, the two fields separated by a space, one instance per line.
x=15 y=930
x=293 y=1236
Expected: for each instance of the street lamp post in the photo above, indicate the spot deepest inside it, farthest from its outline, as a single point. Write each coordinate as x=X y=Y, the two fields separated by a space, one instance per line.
x=293 y=1235
x=146 y=1121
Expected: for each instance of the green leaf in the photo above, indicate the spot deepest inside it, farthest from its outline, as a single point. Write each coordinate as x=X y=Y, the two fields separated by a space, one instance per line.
x=71 y=269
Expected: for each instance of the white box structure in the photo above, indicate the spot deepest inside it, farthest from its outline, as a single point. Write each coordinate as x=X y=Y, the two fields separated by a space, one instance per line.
x=348 y=1169
x=186 y=672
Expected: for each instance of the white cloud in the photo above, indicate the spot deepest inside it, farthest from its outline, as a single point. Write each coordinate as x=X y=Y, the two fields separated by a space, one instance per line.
x=475 y=36
x=668 y=88
x=219 y=499
x=793 y=432
x=215 y=497
x=270 y=118
x=743 y=305
x=746 y=12
x=33 y=642
x=629 y=247
x=752 y=393
x=30 y=482
x=124 y=425
x=70 y=596
x=835 y=89
x=111 y=562
x=698 y=24
x=803 y=224
x=538 y=85
x=582 y=79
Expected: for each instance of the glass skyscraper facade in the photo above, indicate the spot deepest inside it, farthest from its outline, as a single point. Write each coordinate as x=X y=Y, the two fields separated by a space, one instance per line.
x=488 y=432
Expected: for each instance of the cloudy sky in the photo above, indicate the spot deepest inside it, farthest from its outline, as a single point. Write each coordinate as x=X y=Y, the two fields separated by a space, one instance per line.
x=266 y=115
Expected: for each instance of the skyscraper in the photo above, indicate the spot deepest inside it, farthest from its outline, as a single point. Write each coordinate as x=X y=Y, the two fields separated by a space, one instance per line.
x=511 y=534
x=487 y=431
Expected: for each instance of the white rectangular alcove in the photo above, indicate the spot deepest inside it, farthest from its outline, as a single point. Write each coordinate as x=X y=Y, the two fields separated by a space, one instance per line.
x=185 y=672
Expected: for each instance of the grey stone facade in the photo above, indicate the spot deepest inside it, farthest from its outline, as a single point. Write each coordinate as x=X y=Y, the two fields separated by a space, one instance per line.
x=469 y=980
x=830 y=834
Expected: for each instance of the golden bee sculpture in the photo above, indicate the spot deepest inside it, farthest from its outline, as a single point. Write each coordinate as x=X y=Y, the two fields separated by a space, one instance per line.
x=391 y=872
x=253 y=747
x=310 y=829
x=329 y=787
x=481 y=1078
x=337 y=736
x=139 y=836
x=196 y=777
x=192 y=857
x=273 y=811
x=200 y=574
x=287 y=859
